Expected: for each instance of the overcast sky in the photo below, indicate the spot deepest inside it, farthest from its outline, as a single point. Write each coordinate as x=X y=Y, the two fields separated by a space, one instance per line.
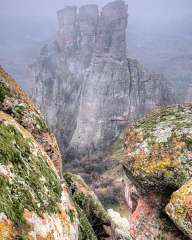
x=148 y=9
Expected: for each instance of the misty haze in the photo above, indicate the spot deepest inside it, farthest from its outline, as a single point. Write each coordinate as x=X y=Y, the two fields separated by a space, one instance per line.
x=98 y=144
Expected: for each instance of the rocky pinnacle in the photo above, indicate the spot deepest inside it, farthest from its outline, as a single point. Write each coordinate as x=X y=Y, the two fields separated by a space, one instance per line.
x=85 y=83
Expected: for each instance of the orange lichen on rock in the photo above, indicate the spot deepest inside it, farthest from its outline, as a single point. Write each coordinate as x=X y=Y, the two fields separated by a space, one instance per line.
x=27 y=214
x=158 y=147
x=157 y=151
x=179 y=209
x=7 y=231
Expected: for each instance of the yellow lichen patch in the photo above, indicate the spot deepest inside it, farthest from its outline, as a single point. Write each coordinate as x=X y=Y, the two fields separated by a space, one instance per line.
x=179 y=208
x=7 y=230
x=5 y=117
x=63 y=216
x=158 y=148
x=48 y=237
x=159 y=160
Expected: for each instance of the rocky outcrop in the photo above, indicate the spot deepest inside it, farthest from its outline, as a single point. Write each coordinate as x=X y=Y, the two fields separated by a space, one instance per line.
x=34 y=203
x=16 y=103
x=84 y=83
x=157 y=163
x=89 y=208
x=179 y=208
x=120 y=225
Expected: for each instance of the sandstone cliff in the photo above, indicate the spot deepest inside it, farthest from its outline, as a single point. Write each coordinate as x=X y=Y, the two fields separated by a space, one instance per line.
x=84 y=82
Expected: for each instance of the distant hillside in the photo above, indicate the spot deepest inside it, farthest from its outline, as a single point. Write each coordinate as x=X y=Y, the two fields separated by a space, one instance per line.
x=20 y=43
x=165 y=48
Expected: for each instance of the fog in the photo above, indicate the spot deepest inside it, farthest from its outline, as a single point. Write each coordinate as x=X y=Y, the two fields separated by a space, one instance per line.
x=158 y=31
x=142 y=9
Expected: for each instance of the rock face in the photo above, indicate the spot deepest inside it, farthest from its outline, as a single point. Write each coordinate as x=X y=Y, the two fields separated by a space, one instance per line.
x=90 y=208
x=179 y=208
x=34 y=204
x=86 y=85
x=120 y=225
x=16 y=103
x=26 y=176
x=157 y=163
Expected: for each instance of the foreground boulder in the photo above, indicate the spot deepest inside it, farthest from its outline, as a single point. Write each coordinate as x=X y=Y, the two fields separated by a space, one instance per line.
x=158 y=148
x=157 y=163
x=16 y=103
x=33 y=202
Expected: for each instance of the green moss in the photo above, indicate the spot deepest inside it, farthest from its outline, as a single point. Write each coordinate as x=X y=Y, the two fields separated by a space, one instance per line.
x=71 y=215
x=69 y=180
x=20 y=237
x=31 y=177
x=19 y=108
x=87 y=202
x=117 y=149
x=80 y=199
x=4 y=91
x=189 y=144
x=86 y=230
x=176 y=114
x=40 y=124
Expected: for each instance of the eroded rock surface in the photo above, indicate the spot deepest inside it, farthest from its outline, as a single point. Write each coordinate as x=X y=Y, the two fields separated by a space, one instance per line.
x=179 y=208
x=120 y=225
x=15 y=102
x=89 y=208
x=33 y=202
x=157 y=163
x=158 y=148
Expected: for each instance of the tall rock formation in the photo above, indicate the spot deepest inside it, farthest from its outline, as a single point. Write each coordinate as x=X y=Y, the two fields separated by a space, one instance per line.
x=86 y=85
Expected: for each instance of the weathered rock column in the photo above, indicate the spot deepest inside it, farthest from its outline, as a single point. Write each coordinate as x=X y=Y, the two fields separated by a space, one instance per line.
x=88 y=22
x=111 y=38
x=67 y=34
